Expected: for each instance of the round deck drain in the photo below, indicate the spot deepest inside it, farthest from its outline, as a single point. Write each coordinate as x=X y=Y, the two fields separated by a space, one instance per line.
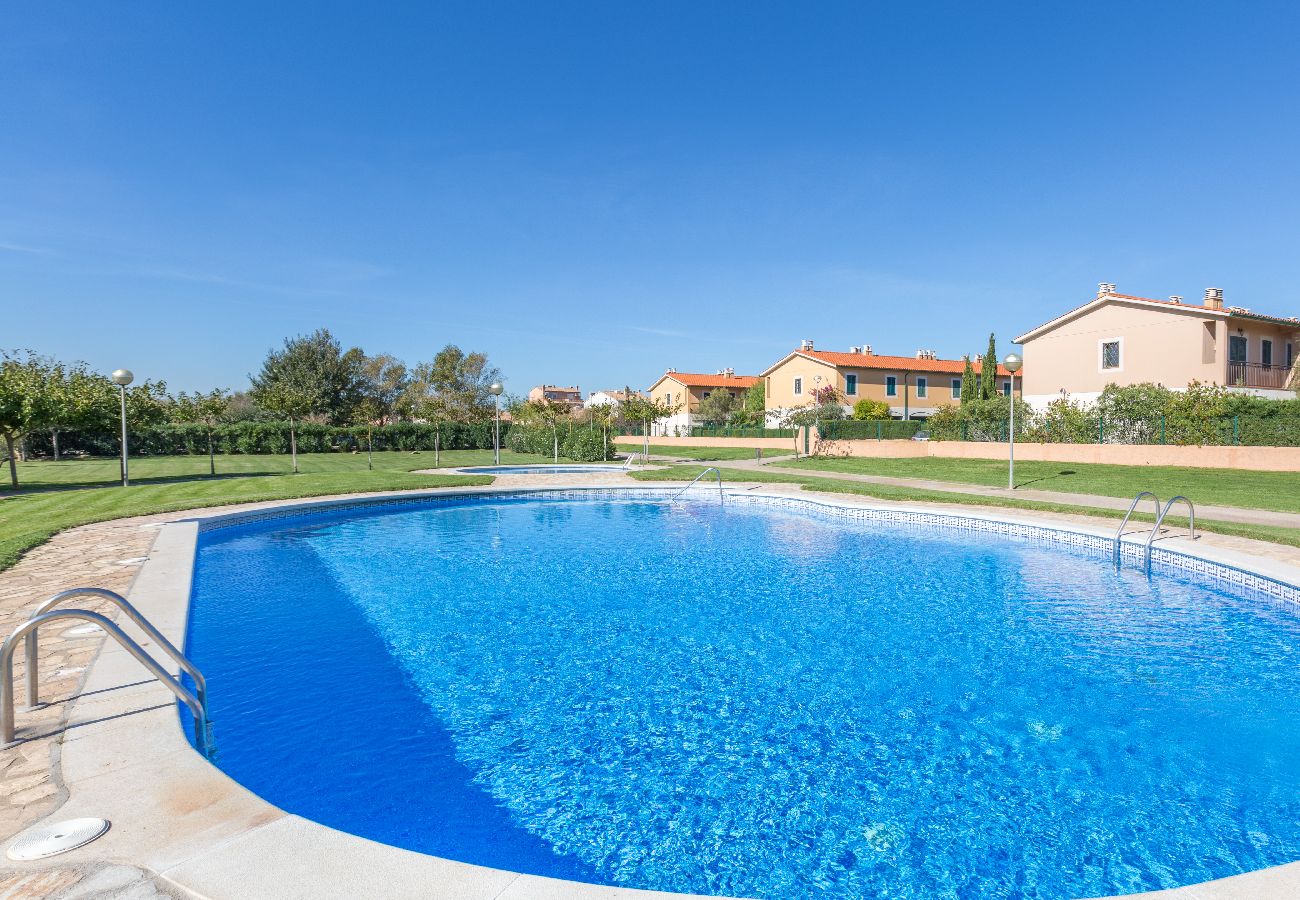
x=79 y=630
x=60 y=837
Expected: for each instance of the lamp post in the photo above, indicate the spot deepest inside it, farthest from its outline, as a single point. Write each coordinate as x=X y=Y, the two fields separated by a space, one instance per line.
x=495 y=390
x=1012 y=364
x=121 y=378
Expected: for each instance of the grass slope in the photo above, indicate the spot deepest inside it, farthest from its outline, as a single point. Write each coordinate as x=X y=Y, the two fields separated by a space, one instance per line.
x=1279 y=491
x=61 y=495
x=1289 y=536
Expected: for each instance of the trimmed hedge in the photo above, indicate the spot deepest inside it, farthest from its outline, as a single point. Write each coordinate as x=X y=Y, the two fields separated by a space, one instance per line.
x=271 y=437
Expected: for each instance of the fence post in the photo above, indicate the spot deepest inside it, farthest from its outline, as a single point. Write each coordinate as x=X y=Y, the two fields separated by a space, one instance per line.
x=880 y=430
x=1236 y=429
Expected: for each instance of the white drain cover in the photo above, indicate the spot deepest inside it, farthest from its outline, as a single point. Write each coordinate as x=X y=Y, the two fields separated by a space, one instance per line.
x=78 y=630
x=60 y=837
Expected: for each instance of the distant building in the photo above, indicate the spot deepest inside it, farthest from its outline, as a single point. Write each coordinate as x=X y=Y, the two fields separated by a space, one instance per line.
x=685 y=391
x=915 y=387
x=570 y=396
x=608 y=398
x=1121 y=339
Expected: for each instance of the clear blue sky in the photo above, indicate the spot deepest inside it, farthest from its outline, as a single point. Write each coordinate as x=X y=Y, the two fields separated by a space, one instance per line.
x=591 y=192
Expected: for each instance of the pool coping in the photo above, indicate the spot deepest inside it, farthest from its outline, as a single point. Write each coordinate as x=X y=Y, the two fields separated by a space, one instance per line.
x=125 y=758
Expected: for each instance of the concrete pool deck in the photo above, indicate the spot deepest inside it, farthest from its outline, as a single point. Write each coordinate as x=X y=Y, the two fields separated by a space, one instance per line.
x=182 y=828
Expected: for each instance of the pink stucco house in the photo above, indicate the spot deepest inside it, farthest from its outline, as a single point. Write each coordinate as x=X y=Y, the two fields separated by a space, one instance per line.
x=1120 y=339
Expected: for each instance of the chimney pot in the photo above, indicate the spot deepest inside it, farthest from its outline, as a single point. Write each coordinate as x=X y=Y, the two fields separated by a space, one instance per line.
x=805 y=344
x=1214 y=298
x=1176 y=298
x=1105 y=288
x=866 y=349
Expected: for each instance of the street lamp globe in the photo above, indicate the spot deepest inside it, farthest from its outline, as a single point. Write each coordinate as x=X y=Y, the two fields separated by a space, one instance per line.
x=495 y=389
x=123 y=377
x=1012 y=363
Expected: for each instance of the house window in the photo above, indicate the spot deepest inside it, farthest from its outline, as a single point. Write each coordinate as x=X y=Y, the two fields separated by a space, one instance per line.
x=956 y=389
x=891 y=385
x=1236 y=348
x=1110 y=354
x=706 y=394
x=851 y=385
x=1266 y=352
x=1006 y=389
x=798 y=387
x=922 y=387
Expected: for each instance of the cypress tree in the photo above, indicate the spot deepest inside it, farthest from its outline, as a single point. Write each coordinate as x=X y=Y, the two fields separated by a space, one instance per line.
x=989 y=371
x=968 y=386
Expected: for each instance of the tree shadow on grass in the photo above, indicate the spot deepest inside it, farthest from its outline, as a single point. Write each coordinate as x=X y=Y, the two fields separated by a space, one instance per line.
x=1042 y=478
x=44 y=487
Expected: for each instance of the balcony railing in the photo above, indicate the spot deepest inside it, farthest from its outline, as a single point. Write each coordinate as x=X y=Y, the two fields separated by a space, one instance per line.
x=1258 y=376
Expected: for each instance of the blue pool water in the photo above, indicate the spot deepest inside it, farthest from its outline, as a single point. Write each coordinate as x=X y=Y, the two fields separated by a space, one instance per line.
x=750 y=701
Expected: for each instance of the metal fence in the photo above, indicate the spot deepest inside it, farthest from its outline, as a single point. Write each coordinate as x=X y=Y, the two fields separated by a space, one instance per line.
x=1224 y=431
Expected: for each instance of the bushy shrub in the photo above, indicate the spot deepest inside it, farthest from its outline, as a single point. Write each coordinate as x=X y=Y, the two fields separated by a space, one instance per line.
x=584 y=445
x=868 y=410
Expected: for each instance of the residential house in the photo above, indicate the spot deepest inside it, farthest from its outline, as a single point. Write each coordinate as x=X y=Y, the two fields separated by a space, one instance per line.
x=608 y=398
x=569 y=396
x=915 y=387
x=1121 y=339
x=684 y=391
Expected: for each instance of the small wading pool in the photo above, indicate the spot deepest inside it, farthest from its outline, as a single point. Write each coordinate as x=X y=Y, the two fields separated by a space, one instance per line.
x=751 y=700
x=540 y=469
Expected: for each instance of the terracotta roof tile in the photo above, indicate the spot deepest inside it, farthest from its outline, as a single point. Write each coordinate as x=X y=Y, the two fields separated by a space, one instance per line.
x=901 y=363
x=694 y=379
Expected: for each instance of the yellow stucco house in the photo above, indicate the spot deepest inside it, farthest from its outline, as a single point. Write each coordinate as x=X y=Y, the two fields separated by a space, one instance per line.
x=914 y=387
x=684 y=391
x=1121 y=339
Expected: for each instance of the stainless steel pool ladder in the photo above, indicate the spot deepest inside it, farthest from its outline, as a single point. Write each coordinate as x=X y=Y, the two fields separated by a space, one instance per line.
x=631 y=457
x=26 y=633
x=1155 y=529
x=714 y=470
x=1191 y=512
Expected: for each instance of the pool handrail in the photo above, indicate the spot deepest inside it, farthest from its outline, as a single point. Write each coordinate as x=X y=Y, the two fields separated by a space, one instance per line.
x=714 y=469
x=627 y=463
x=200 y=683
x=1122 y=525
x=1191 y=512
x=202 y=725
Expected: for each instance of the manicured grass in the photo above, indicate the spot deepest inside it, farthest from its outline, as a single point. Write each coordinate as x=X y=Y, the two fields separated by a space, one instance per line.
x=704 y=454
x=1289 y=536
x=1278 y=491
x=62 y=495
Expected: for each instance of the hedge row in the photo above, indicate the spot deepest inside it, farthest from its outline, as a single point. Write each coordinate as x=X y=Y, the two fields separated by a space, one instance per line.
x=271 y=437
x=579 y=444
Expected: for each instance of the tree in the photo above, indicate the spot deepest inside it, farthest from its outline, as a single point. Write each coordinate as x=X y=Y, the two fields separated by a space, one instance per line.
x=463 y=380
x=547 y=413
x=752 y=408
x=293 y=384
x=989 y=371
x=27 y=402
x=208 y=410
x=79 y=399
x=717 y=408
x=384 y=385
x=317 y=374
x=969 y=389
x=606 y=414
x=647 y=412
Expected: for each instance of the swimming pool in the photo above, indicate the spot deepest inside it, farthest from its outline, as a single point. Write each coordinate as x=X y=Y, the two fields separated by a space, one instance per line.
x=542 y=469
x=750 y=700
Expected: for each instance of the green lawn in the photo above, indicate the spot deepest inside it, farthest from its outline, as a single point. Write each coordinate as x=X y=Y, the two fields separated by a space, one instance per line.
x=1278 y=491
x=1277 y=535
x=62 y=495
x=705 y=454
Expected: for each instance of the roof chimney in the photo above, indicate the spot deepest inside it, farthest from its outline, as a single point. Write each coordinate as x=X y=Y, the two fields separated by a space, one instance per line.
x=805 y=344
x=866 y=349
x=1175 y=298
x=1214 y=298
x=1105 y=288
x=671 y=370
x=920 y=354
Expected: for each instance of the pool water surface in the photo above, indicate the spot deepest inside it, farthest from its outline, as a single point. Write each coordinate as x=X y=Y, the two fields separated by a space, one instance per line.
x=750 y=701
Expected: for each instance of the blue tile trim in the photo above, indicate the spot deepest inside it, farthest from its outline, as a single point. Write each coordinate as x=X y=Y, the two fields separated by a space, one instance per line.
x=1162 y=559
